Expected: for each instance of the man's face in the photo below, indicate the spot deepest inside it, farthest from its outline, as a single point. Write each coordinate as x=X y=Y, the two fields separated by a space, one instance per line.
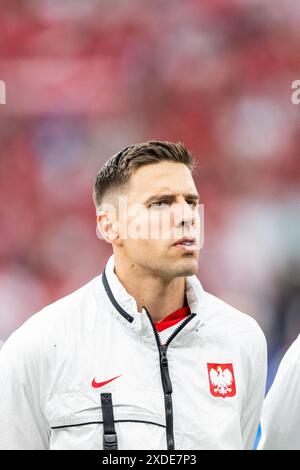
x=160 y=207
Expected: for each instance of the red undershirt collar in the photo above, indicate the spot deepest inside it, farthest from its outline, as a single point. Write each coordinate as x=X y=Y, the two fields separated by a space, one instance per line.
x=173 y=318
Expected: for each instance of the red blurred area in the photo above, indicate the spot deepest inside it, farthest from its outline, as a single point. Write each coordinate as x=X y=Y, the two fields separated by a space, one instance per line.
x=84 y=79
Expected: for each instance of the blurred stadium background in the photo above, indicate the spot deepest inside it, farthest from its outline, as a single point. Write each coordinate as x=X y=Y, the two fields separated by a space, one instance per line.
x=85 y=78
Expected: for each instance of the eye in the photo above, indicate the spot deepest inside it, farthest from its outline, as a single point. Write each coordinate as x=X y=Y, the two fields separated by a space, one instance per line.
x=159 y=204
x=193 y=203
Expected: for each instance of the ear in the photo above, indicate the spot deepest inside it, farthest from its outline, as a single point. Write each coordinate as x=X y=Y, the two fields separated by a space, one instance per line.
x=106 y=226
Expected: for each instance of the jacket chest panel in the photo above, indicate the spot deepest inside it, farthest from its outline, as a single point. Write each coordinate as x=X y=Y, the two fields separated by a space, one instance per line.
x=208 y=393
x=130 y=372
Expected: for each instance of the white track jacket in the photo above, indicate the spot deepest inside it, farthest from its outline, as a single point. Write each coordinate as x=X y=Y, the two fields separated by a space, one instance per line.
x=281 y=410
x=91 y=372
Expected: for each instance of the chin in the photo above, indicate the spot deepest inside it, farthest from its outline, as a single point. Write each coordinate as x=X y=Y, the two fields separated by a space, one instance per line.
x=188 y=267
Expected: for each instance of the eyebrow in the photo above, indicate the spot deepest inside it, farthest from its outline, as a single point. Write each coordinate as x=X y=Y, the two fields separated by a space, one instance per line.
x=171 y=197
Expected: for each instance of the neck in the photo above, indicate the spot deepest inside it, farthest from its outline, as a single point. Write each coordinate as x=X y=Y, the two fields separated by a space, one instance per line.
x=160 y=296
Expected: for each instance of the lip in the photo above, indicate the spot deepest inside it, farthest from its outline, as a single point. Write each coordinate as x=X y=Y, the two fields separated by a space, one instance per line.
x=185 y=239
x=179 y=244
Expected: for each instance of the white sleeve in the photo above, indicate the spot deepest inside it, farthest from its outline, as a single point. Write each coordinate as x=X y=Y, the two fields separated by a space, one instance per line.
x=22 y=424
x=280 y=421
x=254 y=398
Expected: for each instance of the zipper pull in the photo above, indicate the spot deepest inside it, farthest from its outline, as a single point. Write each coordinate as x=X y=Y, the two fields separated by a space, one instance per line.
x=167 y=385
x=163 y=356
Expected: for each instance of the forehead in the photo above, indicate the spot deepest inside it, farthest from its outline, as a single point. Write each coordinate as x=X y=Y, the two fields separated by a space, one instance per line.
x=165 y=176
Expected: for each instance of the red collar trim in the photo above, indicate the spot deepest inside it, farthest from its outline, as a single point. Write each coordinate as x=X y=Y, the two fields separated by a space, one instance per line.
x=173 y=318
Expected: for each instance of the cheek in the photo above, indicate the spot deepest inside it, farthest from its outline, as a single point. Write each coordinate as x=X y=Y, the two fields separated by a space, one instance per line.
x=198 y=223
x=149 y=230
x=142 y=249
x=162 y=225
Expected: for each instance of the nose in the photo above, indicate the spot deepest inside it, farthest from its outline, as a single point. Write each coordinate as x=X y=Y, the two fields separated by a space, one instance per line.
x=184 y=215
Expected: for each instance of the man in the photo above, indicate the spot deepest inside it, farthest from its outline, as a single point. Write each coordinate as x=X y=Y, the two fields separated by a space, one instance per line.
x=141 y=357
x=280 y=422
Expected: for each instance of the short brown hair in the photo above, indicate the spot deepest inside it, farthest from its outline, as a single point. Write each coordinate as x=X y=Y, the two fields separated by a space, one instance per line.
x=118 y=169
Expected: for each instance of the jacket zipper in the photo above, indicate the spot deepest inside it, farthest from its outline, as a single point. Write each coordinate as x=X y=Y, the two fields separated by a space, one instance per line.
x=165 y=376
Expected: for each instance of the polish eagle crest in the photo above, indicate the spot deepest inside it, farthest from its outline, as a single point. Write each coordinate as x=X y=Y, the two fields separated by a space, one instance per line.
x=221 y=379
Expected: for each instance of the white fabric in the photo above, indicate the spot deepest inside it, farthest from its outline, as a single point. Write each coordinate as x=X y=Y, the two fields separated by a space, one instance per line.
x=47 y=367
x=281 y=411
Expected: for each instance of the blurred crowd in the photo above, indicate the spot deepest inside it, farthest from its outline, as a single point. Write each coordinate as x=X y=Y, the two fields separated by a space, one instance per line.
x=85 y=79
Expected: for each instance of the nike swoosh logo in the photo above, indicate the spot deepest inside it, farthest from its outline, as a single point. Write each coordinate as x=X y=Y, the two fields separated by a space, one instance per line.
x=101 y=384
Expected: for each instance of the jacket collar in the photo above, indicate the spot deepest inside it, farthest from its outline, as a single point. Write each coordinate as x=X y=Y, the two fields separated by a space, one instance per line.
x=125 y=307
